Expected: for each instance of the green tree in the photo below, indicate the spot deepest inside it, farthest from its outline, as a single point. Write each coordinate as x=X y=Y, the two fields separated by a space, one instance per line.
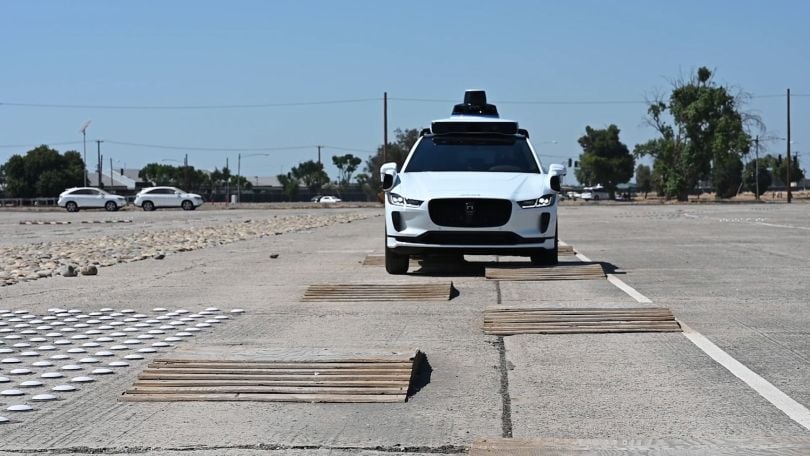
x=605 y=159
x=707 y=127
x=779 y=169
x=311 y=173
x=158 y=174
x=42 y=172
x=764 y=176
x=644 y=179
x=346 y=165
x=727 y=176
x=290 y=185
x=395 y=152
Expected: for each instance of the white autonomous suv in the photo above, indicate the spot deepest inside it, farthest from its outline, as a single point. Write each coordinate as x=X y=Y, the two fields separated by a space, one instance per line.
x=471 y=184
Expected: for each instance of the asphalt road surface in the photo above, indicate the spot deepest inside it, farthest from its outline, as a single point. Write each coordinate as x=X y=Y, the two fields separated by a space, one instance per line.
x=735 y=275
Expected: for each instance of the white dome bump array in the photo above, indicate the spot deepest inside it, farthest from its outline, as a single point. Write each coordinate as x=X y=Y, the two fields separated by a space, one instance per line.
x=36 y=352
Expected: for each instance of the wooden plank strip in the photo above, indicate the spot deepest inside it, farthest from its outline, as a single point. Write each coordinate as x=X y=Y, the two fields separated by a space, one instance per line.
x=575 y=310
x=378 y=292
x=154 y=374
x=580 y=331
x=285 y=365
x=379 y=260
x=536 y=318
x=245 y=382
x=565 y=250
x=138 y=389
x=561 y=272
x=588 y=324
x=344 y=380
x=336 y=398
x=515 y=320
x=326 y=372
x=783 y=446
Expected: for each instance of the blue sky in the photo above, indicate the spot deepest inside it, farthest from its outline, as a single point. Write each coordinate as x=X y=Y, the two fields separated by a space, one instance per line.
x=192 y=53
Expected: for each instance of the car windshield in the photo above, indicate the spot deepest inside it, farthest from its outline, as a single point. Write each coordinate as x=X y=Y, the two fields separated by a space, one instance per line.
x=483 y=153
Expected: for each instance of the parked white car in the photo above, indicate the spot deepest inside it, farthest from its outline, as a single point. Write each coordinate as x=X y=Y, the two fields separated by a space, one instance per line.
x=329 y=199
x=77 y=198
x=472 y=184
x=595 y=193
x=154 y=197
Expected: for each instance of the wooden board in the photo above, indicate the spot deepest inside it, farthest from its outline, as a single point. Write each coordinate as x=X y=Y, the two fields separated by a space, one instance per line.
x=565 y=250
x=782 y=446
x=373 y=378
x=507 y=321
x=379 y=260
x=379 y=292
x=563 y=271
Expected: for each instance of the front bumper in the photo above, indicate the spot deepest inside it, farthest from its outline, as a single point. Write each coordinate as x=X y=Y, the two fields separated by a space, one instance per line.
x=411 y=231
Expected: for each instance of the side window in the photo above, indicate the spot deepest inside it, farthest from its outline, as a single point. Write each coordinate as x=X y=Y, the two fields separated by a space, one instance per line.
x=84 y=191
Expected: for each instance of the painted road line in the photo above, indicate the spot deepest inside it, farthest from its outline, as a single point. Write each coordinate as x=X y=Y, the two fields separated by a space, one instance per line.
x=794 y=410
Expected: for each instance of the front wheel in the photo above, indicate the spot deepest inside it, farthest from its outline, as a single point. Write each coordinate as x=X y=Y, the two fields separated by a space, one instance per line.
x=187 y=205
x=396 y=263
x=110 y=206
x=544 y=257
x=148 y=206
x=72 y=207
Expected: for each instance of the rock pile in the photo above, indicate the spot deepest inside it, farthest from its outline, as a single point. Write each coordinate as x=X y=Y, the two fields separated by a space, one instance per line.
x=84 y=256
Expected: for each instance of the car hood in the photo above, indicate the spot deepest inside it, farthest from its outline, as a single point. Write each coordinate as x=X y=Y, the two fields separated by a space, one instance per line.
x=430 y=185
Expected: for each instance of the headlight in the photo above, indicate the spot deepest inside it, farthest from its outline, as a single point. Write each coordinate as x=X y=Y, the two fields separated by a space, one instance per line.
x=543 y=201
x=399 y=200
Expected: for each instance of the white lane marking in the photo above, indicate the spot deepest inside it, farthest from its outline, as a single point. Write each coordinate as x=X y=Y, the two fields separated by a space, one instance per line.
x=794 y=410
x=628 y=289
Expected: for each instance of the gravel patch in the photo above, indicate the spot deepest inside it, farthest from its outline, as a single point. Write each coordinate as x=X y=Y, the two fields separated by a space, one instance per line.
x=69 y=258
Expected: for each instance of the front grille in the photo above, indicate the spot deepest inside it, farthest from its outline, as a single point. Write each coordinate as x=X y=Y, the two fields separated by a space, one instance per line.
x=470 y=212
x=470 y=238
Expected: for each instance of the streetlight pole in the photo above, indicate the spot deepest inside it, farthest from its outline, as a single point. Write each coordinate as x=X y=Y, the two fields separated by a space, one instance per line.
x=756 y=165
x=239 y=174
x=98 y=144
x=84 y=149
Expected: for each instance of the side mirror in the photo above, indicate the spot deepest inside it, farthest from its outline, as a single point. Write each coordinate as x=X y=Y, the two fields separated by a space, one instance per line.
x=388 y=174
x=555 y=172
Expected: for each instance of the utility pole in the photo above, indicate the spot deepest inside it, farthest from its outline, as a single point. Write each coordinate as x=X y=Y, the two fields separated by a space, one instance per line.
x=385 y=127
x=185 y=173
x=98 y=146
x=111 y=171
x=756 y=165
x=319 y=154
x=789 y=194
x=84 y=149
x=238 y=178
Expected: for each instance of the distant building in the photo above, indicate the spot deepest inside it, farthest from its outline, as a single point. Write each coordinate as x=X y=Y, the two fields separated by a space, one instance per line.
x=117 y=178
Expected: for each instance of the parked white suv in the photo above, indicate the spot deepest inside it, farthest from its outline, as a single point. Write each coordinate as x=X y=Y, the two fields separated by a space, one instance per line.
x=77 y=198
x=472 y=184
x=154 y=197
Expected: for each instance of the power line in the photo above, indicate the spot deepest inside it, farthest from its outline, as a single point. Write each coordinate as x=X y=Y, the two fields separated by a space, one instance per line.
x=331 y=102
x=187 y=107
x=62 y=143
x=209 y=149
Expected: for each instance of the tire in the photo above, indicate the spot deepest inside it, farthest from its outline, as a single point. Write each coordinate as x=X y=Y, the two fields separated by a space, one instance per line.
x=187 y=205
x=148 y=206
x=110 y=206
x=395 y=263
x=72 y=206
x=545 y=257
x=596 y=197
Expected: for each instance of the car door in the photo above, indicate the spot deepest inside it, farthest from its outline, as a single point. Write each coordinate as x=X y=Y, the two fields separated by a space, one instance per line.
x=95 y=198
x=84 y=197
